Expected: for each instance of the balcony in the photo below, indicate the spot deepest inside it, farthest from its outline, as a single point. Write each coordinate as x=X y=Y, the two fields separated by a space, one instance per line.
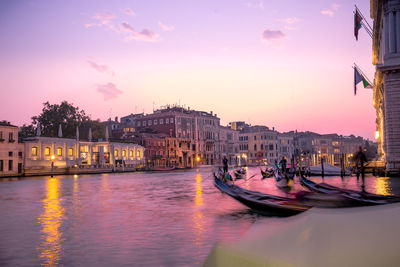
x=11 y=140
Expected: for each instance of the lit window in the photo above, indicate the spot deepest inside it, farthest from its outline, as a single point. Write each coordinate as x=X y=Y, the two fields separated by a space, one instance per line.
x=34 y=151
x=70 y=152
x=116 y=152
x=138 y=153
x=124 y=153
x=59 y=151
x=47 y=151
x=131 y=153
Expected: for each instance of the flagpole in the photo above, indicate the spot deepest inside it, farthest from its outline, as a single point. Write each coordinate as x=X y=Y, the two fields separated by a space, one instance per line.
x=363 y=74
x=361 y=14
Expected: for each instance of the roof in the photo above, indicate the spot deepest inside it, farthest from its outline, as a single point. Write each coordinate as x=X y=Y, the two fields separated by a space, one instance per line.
x=7 y=123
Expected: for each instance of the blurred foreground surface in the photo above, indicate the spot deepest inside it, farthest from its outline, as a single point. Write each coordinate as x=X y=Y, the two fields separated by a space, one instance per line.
x=154 y=219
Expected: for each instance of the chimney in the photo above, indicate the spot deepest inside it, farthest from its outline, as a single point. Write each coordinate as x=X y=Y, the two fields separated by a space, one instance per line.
x=273 y=128
x=116 y=119
x=211 y=112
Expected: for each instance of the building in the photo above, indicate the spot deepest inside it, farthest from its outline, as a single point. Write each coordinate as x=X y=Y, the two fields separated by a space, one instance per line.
x=386 y=99
x=75 y=156
x=11 y=151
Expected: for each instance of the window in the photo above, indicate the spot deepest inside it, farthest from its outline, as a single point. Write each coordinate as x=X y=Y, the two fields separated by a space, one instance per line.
x=336 y=150
x=10 y=153
x=10 y=165
x=131 y=153
x=59 y=151
x=255 y=137
x=1 y=165
x=255 y=147
x=149 y=122
x=138 y=123
x=124 y=153
x=47 y=151
x=161 y=121
x=271 y=147
x=262 y=147
x=166 y=121
x=20 y=154
x=138 y=153
x=116 y=152
x=144 y=123
x=155 y=122
x=10 y=137
x=1 y=136
x=34 y=151
x=70 y=152
x=171 y=120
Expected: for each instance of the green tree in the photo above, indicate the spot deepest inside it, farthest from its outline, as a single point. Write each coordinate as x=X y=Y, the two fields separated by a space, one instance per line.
x=66 y=115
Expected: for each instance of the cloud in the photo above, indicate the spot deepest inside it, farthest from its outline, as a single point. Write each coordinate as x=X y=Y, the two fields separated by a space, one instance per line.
x=259 y=5
x=129 y=12
x=103 y=19
x=108 y=90
x=268 y=35
x=100 y=68
x=290 y=22
x=144 y=35
x=165 y=27
x=330 y=12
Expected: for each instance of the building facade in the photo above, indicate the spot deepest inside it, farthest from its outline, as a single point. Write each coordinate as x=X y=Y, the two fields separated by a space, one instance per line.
x=11 y=151
x=386 y=99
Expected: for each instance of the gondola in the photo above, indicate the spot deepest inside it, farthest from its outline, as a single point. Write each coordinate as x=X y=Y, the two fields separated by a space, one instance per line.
x=359 y=198
x=268 y=173
x=240 y=173
x=162 y=169
x=262 y=203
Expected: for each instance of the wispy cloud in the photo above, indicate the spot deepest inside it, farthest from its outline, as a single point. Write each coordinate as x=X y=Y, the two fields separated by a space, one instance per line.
x=108 y=90
x=330 y=12
x=103 y=19
x=106 y=20
x=289 y=23
x=100 y=68
x=269 y=35
x=129 y=12
x=165 y=27
x=144 y=35
x=259 y=5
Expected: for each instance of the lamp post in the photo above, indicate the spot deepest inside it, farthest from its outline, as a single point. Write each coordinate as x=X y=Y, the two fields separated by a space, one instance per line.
x=198 y=160
x=52 y=165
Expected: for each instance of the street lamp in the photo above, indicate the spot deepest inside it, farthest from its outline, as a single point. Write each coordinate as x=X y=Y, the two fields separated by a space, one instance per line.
x=52 y=165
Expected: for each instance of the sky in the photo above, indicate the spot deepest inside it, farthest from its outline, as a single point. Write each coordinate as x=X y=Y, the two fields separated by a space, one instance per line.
x=281 y=63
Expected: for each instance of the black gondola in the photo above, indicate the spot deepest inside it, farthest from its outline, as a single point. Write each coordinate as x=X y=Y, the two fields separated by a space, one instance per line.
x=359 y=197
x=263 y=203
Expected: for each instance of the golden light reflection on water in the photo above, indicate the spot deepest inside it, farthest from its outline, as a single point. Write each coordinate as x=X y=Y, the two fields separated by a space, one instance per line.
x=50 y=249
x=382 y=186
x=198 y=219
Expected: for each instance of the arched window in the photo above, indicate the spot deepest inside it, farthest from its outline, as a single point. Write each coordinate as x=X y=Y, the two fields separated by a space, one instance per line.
x=59 y=151
x=116 y=152
x=131 y=153
x=70 y=152
x=47 y=151
x=124 y=153
x=138 y=153
x=34 y=151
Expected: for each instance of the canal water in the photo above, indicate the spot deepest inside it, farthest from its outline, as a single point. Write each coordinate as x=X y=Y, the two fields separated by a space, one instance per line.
x=130 y=219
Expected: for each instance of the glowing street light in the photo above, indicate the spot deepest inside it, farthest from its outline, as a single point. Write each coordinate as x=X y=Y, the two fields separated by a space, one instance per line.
x=52 y=164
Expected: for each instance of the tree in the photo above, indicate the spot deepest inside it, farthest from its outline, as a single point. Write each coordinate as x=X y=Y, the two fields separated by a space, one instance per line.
x=66 y=115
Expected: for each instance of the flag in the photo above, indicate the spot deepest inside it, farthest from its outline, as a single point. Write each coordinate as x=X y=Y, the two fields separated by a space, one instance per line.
x=357 y=23
x=360 y=78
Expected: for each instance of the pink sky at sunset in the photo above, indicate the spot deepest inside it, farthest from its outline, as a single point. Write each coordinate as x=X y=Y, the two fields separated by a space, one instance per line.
x=284 y=64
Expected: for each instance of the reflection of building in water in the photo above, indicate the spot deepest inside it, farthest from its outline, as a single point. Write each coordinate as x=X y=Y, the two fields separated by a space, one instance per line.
x=198 y=219
x=382 y=186
x=50 y=249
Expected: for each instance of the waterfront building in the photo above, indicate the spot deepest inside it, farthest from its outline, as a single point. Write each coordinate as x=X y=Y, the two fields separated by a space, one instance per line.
x=11 y=151
x=386 y=98
x=258 y=145
x=228 y=144
x=68 y=155
x=285 y=146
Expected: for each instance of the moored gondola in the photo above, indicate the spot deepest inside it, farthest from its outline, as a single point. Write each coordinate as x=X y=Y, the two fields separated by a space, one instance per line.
x=263 y=203
x=359 y=197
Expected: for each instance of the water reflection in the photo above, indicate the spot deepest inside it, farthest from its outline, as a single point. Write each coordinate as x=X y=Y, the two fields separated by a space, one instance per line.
x=382 y=186
x=198 y=220
x=50 y=248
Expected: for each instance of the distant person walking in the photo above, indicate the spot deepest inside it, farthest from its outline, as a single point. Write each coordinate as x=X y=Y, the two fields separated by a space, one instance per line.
x=225 y=163
x=282 y=164
x=360 y=159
